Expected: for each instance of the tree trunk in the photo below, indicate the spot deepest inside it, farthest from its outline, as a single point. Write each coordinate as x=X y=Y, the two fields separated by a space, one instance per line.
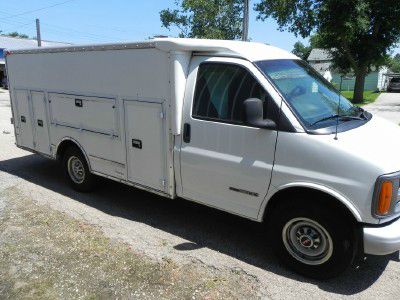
x=359 y=86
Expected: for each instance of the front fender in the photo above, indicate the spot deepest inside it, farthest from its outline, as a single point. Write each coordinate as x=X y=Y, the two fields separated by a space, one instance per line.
x=312 y=186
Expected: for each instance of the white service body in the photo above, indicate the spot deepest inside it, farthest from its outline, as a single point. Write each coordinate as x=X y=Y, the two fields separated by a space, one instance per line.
x=125 y=106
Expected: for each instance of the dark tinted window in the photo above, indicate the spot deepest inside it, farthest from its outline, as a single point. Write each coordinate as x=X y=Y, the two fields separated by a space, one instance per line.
x=221 y=90
x=395 y=80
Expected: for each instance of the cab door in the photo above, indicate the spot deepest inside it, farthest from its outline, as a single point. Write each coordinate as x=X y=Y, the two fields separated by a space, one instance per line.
x=224 y=163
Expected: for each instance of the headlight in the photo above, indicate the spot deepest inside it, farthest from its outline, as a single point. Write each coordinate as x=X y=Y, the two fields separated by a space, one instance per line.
x=386 y=196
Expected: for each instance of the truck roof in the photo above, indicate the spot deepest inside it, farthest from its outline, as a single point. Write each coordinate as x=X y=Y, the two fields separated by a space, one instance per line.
x=247 y=50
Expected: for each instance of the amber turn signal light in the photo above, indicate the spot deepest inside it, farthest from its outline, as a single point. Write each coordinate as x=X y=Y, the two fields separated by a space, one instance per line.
x=385 y=198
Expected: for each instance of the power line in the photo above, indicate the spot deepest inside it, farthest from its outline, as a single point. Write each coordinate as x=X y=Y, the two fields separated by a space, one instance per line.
x=77 y=31
x=60 y=29
x=13 y=26
x=35 y=10
x=125 y=30
x=16 y=24
x=12 y=21
x=47 y=25
x=75 y=35
x=24 y=25
x=63 y=30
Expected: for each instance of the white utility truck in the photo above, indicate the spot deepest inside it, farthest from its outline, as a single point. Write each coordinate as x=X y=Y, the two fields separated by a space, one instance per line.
x=243 y=127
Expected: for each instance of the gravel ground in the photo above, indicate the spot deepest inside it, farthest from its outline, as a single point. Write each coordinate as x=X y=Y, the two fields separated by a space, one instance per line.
x=198 y=241
x=45 y=254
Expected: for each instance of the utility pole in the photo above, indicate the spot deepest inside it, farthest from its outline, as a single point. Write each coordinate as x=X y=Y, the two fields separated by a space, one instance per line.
x=38 y=37
x=245 y=34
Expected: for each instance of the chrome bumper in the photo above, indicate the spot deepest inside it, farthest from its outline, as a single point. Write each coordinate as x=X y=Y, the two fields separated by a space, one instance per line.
x=382 y=240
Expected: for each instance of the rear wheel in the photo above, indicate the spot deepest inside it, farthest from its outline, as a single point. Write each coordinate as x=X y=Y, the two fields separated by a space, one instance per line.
x=314 y=240
x=77 y=171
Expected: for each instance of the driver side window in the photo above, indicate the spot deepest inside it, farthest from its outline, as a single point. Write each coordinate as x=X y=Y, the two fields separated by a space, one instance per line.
x=221 y=90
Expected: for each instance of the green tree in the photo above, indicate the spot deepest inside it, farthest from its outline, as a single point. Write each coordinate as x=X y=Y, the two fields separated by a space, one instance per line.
x=301 y=50
x=304 y=51
x=213 y=19
x=359 y=33
x=16 y=34
x=394 y=63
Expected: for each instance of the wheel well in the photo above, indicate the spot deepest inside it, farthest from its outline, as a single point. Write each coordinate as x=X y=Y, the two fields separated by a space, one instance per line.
x=297 y=193
x=64 y=145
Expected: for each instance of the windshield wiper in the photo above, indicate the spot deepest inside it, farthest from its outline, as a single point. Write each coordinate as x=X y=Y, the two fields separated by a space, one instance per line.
x=342 y=117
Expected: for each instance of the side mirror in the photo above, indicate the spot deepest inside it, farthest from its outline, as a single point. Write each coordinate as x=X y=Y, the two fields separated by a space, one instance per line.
x=254 y=111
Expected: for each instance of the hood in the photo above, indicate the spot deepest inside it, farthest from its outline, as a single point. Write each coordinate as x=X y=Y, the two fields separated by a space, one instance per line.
x=377 y=143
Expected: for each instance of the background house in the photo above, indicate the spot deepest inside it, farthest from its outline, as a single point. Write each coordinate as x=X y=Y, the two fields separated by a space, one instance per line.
x=7 y=42
x=321 y=60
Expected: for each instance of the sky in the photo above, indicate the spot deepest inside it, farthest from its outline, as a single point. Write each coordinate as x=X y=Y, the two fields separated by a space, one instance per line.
x=99 y=21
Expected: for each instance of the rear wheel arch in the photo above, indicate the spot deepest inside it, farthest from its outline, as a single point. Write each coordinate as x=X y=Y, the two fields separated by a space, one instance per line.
x=67 y=143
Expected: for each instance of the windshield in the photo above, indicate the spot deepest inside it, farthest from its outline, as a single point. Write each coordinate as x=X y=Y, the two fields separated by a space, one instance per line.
x=314 y=99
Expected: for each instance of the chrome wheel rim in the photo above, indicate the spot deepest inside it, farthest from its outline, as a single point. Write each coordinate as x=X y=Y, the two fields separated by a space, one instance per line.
x=307 y=241
x=76 y=170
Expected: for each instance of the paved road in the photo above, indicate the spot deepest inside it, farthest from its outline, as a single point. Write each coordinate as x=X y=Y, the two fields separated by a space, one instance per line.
x=387 y=106
x=184 y=231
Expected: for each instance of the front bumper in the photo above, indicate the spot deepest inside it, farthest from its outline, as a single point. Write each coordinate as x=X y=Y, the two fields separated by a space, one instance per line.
x=382 y=240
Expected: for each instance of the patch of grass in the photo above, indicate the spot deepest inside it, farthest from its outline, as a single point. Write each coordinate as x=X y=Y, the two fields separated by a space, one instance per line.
x=45 y=254
x=369 y=96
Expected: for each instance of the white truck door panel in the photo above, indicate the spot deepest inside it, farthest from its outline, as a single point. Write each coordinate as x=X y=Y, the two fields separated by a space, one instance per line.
x=25 y=136
x=40 y=122
x=146 y=156
x=225 y=165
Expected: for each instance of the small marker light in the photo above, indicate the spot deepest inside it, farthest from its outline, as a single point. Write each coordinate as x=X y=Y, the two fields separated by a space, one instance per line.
x=385 y=198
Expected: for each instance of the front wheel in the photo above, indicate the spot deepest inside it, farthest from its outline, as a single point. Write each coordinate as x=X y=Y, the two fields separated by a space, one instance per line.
x=313 y=240
x=77 y=171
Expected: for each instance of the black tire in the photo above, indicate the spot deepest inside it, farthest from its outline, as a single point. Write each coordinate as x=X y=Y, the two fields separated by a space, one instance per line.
x=335 y=229
x=84 y=183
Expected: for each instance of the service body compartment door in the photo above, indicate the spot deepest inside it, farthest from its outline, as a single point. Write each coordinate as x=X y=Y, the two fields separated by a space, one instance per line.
x=25 y=132
x=95 y=114
x=146 y=156
x=42 y=141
